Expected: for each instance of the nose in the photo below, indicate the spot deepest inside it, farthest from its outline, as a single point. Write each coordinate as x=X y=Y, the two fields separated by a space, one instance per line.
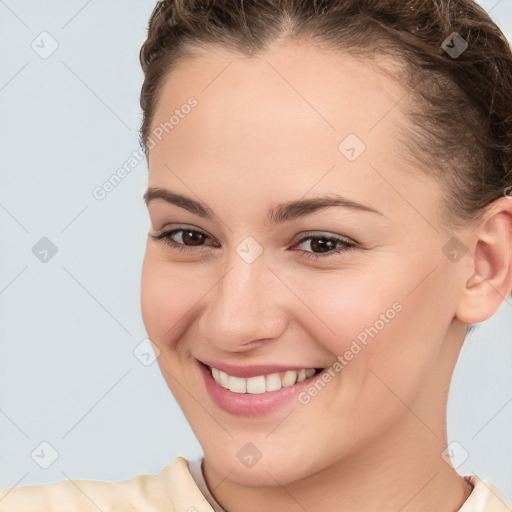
x=245 y=308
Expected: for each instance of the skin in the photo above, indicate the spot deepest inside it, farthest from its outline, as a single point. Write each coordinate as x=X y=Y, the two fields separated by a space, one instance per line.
x=266 y=131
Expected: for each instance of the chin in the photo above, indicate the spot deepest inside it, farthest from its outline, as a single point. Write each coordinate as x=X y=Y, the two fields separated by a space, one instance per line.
x=278 y=469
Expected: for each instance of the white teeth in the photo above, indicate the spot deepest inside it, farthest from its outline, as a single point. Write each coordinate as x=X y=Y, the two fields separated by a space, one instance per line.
x=261 y=383
x=273 y=382
x=256 y=385
x=237 y=384
x=289 y=379
x=223 y=379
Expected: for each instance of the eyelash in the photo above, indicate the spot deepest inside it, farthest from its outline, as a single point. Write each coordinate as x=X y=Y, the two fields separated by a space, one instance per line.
x=346 y=245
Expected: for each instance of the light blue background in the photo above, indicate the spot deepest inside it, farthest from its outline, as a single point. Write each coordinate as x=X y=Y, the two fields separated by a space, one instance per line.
x=68 y=327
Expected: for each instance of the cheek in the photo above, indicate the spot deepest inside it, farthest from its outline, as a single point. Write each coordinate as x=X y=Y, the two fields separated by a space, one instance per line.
x=379 y=335
x=340 y=308
x=167 y=296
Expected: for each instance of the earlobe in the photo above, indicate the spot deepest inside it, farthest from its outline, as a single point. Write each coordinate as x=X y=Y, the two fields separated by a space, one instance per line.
x=490 y=279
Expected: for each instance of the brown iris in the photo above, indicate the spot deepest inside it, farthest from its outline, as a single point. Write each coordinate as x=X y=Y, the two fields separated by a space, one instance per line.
x=193 y=237
x=322 y=244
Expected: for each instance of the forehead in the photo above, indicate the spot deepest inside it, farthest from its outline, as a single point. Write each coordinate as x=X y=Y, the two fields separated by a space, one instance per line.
x=329 y=91
x=280 y=118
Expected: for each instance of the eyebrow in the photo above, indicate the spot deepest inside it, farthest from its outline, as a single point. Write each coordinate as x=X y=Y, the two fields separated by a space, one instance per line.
x=280 y=213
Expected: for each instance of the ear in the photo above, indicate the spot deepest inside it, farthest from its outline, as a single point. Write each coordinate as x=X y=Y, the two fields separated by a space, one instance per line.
x=489 y=278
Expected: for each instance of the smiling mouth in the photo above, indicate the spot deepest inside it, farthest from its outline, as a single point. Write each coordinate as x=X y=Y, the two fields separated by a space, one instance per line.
x=261 y=383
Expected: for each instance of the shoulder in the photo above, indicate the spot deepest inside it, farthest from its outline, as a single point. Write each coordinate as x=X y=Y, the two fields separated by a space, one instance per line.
x=485 y=497
x=144 y=492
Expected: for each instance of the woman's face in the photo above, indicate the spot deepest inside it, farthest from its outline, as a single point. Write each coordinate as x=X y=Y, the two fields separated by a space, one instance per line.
x=254 y=285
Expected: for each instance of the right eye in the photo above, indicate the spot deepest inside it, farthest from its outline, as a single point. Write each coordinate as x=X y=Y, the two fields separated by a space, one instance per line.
x=183 y=239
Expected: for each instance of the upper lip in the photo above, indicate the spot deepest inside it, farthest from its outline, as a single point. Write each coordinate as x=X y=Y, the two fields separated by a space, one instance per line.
x=248 y=371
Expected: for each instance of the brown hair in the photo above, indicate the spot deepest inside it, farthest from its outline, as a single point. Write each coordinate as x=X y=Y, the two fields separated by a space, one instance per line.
x=460 y=106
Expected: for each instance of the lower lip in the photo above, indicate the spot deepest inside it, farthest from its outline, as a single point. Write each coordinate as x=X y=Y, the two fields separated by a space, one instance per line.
x=248 y=404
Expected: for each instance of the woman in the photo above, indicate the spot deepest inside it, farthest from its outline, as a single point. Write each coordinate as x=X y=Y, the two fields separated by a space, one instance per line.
x=329 y=195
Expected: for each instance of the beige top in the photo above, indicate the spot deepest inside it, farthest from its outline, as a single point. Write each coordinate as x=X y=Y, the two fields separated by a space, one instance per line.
x=174 y=489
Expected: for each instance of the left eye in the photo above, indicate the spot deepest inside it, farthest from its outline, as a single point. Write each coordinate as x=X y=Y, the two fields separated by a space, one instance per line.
x=325 y=245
